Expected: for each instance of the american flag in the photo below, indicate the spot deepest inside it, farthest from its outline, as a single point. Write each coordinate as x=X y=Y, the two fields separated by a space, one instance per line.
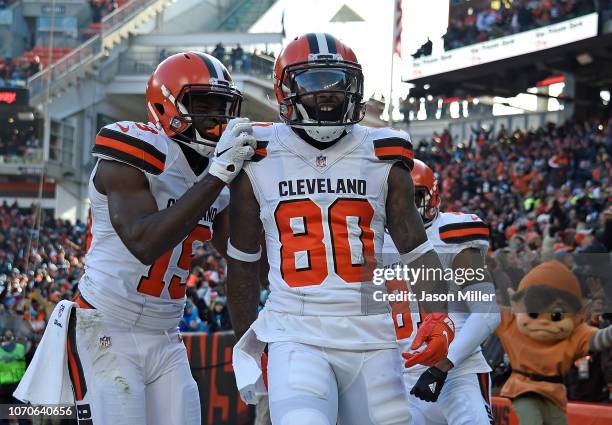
x=397 y=29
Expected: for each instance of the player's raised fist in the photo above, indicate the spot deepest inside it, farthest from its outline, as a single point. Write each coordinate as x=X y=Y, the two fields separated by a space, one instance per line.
x=234 y=147
x=437 y=331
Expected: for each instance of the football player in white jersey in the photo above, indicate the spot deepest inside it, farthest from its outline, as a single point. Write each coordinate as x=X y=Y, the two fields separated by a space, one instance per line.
x=157 y=193
x=460 y=382
x=322 y=189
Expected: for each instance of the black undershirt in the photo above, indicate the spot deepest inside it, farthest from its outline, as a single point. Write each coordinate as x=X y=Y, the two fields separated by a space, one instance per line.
x=315 y=143
x=197 y=162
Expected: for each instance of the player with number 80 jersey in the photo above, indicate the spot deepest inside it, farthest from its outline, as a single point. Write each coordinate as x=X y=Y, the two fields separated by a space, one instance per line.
x=324 y=215
x=322 y=188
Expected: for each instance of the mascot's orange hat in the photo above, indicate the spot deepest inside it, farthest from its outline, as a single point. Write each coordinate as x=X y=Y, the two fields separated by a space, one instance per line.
x=554 y=274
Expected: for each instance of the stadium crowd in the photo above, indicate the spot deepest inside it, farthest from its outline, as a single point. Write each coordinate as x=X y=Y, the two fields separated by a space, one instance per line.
x=14 y=72
x=545 y=194
x=475 y=26
x=20 y=148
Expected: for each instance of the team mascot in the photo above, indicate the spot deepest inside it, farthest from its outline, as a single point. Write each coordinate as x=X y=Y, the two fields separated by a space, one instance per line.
x=543 y=334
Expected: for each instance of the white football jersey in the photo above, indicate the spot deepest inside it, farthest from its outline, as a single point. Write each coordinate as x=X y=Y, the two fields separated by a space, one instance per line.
x=450 y=234
x=323 y=212
x=115 y=281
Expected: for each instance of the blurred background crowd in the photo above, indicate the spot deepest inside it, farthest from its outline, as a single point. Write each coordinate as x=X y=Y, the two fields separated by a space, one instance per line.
x=472 y=25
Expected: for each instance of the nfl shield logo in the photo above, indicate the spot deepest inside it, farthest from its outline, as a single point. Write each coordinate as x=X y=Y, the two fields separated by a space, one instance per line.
x=321 y=161
x=105 y=342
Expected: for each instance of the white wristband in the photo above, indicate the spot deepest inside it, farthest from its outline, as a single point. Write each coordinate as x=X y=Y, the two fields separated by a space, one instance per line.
x=235 y=253
x=413 y=255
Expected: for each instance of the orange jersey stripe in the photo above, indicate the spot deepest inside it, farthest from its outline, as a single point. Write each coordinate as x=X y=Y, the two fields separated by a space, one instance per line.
x=394 y=151
x=130 y=150
x=464 y=232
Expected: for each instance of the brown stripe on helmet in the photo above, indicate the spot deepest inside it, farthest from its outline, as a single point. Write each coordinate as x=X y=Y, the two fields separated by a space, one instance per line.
x=212 y=71
x=313 y=44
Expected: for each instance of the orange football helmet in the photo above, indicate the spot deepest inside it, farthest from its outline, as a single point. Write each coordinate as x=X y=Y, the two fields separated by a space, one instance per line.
x=191 y=96
x=426 y=195
x=318 y=84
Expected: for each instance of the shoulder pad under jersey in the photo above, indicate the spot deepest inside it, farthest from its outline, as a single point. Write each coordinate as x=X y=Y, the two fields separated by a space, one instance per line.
x=263 y=133
x=392 y=144
x=140 y=145
x=459 y=229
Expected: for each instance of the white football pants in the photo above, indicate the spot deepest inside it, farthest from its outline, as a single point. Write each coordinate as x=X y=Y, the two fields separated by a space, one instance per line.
x=126 y=375
x=310 y=385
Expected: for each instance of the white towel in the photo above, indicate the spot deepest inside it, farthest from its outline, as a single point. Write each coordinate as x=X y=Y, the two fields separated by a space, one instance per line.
x=47 y=381
x=246 y=360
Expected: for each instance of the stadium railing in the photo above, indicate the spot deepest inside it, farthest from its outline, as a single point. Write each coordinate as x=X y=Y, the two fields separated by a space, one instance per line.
x=90 y=50
x=255 y=64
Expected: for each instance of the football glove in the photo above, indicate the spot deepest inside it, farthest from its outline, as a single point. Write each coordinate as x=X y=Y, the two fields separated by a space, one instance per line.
x=234 y=147
x=437 y=331
x=429 y=385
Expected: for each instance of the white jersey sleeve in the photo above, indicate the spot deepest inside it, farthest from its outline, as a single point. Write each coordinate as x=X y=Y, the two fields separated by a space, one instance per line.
x=137 y=144
x=392 y=144
x=452 y=233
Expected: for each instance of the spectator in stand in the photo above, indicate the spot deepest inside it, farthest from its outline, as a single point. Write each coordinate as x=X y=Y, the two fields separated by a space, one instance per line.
x=191 y=322
x=485 y=20
x=237 y=57
x=12 y=368
x=101 y=8
x=219 y=52
x=523 y=19
x=34 y=67
x=97 y=6
x=218 y=316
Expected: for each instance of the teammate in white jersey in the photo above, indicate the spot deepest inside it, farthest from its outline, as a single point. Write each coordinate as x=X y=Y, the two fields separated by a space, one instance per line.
x=322 y=193
x=157 y=193
x=460 y=383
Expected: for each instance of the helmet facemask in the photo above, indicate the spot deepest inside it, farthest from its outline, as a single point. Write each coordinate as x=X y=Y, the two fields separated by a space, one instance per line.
x=423 y=202
x=206 y=109
x=322 y=97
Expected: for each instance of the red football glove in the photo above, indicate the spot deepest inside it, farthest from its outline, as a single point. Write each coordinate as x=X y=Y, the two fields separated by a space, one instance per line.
x=264 y=368
x=437 y=331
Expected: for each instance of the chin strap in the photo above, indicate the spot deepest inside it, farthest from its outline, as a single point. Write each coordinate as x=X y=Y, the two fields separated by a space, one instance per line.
x=324 y=134
x=205 y=147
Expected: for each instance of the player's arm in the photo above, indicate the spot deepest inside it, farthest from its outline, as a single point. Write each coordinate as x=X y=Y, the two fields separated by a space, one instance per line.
x=146 y=231
x=408 y=233
x=484 y=315
x=221 y=232
x=483 y=319
x=244 y=255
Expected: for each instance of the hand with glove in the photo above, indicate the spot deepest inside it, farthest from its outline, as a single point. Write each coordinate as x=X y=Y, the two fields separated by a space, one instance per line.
x=235 y=146
x=437 y=331
x=430 y=383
